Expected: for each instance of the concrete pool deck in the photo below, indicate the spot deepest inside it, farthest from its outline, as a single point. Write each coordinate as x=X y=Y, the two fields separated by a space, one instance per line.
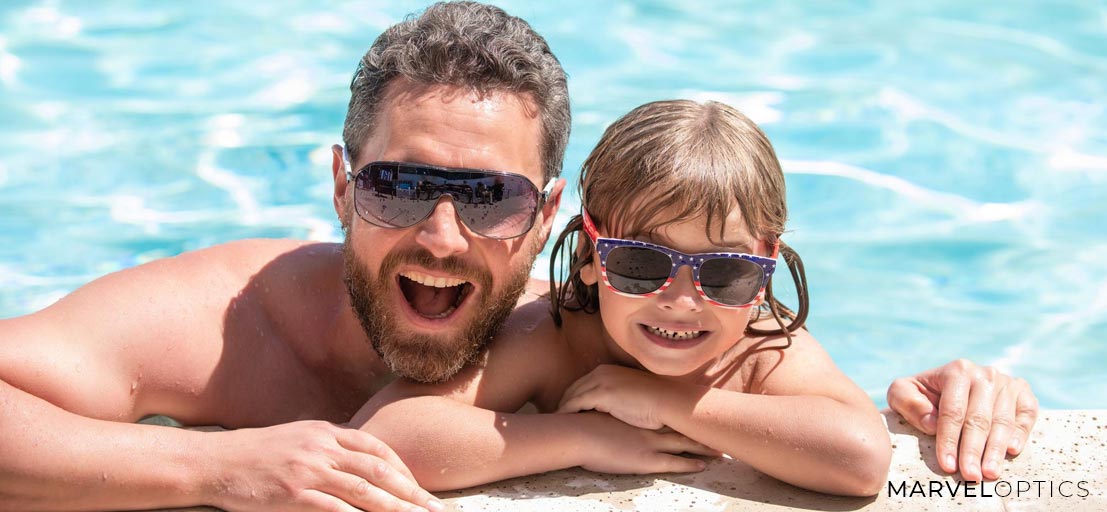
x=1067 y=454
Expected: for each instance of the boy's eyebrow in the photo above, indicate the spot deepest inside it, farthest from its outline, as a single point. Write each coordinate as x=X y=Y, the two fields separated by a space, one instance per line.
x=744 y=248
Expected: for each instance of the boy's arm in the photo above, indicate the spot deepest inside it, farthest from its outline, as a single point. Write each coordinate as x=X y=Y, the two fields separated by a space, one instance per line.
x=466 y=432
x=802 y=421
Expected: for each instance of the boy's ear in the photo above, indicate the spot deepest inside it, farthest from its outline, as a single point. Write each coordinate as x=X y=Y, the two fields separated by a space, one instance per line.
x=588 y=273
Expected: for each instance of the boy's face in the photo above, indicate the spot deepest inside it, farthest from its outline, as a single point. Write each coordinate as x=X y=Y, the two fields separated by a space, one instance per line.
x=432 y=294
x=677 y=332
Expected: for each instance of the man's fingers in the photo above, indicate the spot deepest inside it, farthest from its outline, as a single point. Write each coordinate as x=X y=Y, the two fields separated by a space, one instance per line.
x=977 y=426
x=380 y=473
x=1003 y=425
x=951 y=416
x=1026 y=414
x=362 y=494
x=906 y=398
x=364 y=442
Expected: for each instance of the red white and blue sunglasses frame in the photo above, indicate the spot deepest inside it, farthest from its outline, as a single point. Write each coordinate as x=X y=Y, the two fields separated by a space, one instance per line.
x=604 y=246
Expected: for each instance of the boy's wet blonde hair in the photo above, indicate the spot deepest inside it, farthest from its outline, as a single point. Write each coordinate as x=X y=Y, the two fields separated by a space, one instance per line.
x=694 y=159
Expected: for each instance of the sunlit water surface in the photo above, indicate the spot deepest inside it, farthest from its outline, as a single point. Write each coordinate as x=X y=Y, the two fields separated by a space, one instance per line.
x=946 y=162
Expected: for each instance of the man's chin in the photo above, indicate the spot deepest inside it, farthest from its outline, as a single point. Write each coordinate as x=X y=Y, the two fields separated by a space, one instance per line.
x=426 y=361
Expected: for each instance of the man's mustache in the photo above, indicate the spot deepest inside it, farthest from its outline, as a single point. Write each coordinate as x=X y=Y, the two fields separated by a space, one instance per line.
x=452 y=265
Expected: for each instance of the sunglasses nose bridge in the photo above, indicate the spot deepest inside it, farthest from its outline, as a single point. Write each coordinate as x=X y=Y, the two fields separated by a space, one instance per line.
x=681 y=292
x=441 y=231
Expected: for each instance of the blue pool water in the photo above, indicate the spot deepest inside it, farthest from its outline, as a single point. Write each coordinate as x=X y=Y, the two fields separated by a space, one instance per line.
x=947 y=161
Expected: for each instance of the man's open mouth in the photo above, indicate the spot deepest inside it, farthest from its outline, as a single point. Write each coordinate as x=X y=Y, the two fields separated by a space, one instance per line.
x=433 y=297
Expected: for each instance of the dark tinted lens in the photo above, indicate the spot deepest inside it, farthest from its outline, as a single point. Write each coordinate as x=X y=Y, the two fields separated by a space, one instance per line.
x=501 y=206
x=387 y=197
x=637 y=269
x=731 y=281
x=492 y=204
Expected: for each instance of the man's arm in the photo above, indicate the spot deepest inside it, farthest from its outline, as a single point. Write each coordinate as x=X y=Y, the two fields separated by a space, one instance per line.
x=147 y=340
x=978 y=414
x=68 y=374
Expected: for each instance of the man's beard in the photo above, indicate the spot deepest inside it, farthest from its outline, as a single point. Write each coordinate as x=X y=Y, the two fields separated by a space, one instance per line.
x=427 y=358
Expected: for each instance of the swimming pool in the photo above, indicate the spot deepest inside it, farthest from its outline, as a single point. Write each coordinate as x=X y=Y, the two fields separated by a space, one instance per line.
x=947 y=162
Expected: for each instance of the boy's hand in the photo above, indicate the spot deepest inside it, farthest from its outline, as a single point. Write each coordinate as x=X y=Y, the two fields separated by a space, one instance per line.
x=313 y=465
x=633 y=396
x=988 y=412
x=612 y=446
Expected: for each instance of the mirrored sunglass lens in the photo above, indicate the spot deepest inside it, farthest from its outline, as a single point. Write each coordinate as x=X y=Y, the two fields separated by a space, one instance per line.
x=388 y=202
x=490 y=204
x=637 y=269
x=502 y=206
x=731 y=281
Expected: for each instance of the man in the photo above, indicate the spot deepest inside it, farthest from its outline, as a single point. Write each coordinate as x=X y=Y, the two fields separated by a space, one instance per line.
x=280 y=339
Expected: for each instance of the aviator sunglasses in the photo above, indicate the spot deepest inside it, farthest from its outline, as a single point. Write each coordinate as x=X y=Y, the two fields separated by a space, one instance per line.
x=641 y=269
x=493 y=204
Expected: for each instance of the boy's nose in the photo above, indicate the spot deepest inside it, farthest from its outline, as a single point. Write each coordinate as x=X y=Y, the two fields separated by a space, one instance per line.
x=442 y=233
x=681 y=295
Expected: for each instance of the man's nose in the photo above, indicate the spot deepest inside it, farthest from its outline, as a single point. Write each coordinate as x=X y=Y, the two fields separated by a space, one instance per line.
x=681 y=295
x=442 y=233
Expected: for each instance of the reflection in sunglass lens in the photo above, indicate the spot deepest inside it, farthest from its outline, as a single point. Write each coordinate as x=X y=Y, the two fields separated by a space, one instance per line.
x=731 y=281
x=493 y=204
x=637 y=269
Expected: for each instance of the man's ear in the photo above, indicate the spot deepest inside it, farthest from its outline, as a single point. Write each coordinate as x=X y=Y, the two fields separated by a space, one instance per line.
x=338 y=173
x=549 y=210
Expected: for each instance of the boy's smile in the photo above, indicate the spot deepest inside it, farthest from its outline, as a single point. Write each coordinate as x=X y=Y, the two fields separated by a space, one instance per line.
x=677 y=331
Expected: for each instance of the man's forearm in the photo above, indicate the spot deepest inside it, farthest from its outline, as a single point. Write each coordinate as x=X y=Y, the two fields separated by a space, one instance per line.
x=51 y=459
x=451 y=445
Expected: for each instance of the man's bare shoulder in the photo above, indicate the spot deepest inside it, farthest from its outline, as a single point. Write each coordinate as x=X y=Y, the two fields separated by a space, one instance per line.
x=248 y=256
x=121 y=329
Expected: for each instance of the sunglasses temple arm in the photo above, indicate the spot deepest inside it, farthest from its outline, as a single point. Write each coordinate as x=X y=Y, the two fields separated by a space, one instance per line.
x=548 y=189
x=345 y=155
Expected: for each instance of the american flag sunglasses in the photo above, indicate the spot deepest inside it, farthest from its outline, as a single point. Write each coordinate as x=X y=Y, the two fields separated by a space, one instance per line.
x=642 y=269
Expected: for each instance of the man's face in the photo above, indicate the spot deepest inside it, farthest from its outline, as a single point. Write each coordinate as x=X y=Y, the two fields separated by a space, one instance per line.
x=430 y=296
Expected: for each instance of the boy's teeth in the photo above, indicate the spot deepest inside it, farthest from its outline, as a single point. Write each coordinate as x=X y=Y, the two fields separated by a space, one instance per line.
x=673 y=335
x=436 y=282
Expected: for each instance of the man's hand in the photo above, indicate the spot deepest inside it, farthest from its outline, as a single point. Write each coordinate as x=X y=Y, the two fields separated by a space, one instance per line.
x=616 y=447
x=632 y=396
x=314 y=466
x=988 y=412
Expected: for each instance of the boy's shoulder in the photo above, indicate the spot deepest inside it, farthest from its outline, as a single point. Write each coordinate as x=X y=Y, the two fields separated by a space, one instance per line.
x=527 y=352
x=762 y=355
x=532 y=350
